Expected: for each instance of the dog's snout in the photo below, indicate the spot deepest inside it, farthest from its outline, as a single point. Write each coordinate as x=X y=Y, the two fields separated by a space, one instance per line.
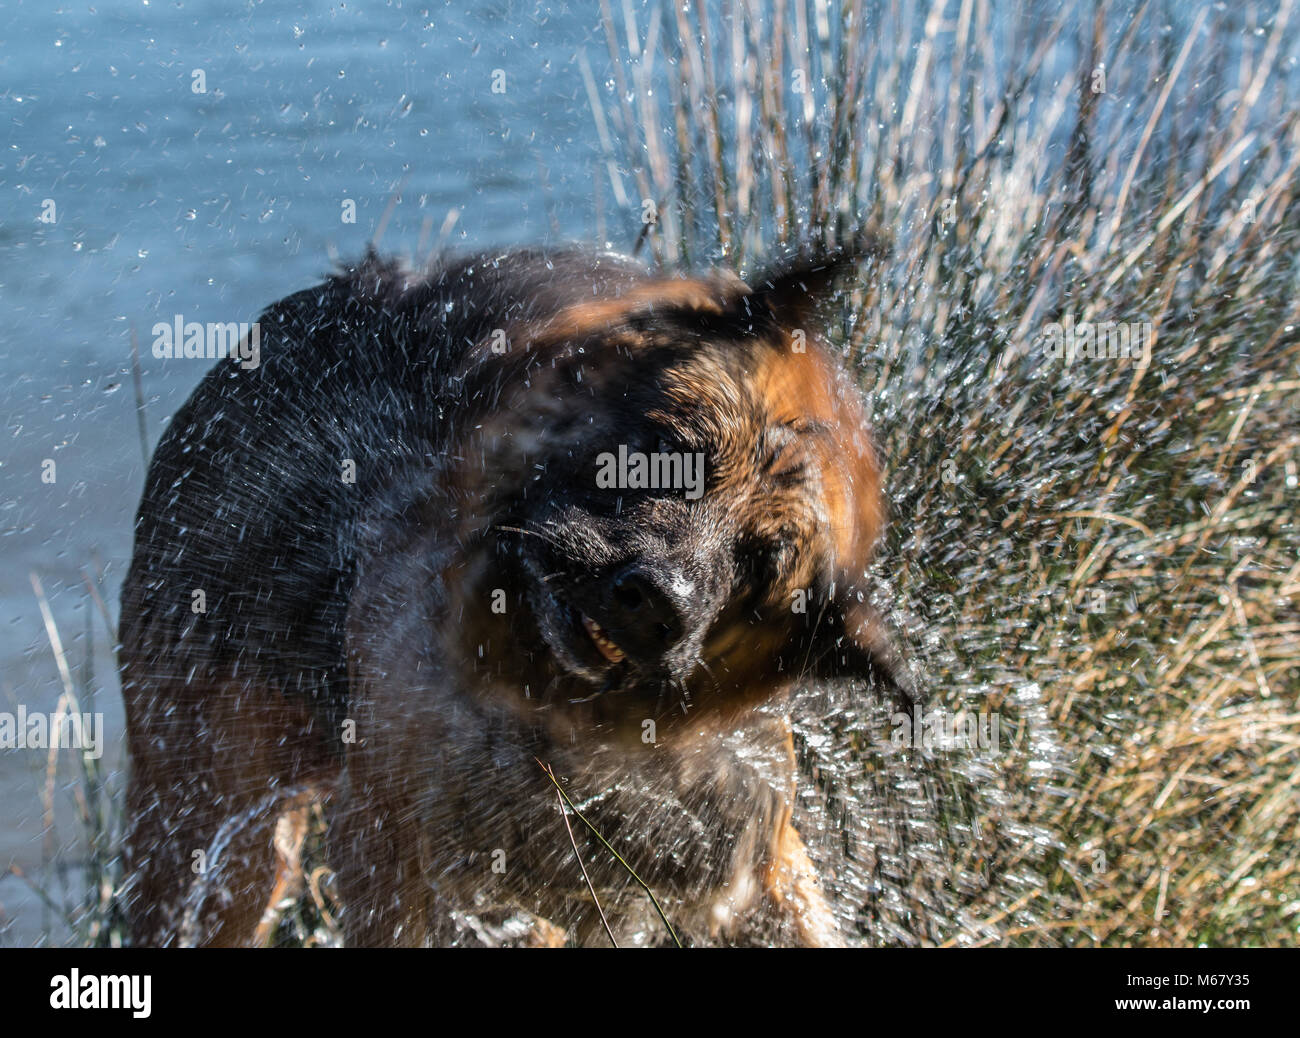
x=643 y=613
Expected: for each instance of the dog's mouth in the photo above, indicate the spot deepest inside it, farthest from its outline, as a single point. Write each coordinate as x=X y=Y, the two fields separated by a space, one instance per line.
x=604 y=657
x=605 y=645
x=579 y=644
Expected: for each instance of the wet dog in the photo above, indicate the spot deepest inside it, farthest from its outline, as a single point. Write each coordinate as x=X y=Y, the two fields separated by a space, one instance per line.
x=518 y=509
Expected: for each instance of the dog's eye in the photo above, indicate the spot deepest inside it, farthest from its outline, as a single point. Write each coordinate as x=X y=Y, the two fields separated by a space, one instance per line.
x=773 y=442
x=661 y=443
x=781 y=457
x=763 y=559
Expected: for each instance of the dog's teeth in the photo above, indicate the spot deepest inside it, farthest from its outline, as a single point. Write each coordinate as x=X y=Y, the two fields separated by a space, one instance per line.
x=607 y=648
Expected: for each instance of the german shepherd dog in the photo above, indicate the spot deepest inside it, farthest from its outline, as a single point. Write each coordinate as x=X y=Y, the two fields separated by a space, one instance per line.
x=520 y=509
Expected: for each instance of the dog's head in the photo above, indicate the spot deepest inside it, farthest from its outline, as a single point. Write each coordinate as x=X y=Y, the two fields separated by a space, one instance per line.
x=681 y=493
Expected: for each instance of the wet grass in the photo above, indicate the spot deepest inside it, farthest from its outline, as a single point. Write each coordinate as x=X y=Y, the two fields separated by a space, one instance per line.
x=1104 y=552
x=78 y=892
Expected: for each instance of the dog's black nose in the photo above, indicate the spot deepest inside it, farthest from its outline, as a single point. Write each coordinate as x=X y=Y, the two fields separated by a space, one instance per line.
x=641 y=614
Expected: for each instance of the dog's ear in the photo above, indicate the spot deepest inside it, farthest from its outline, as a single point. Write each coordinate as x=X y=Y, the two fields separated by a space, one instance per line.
x=857 y=643
x=795 y=287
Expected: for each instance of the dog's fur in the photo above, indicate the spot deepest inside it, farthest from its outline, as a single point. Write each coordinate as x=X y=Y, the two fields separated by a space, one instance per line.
x=407 y=647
